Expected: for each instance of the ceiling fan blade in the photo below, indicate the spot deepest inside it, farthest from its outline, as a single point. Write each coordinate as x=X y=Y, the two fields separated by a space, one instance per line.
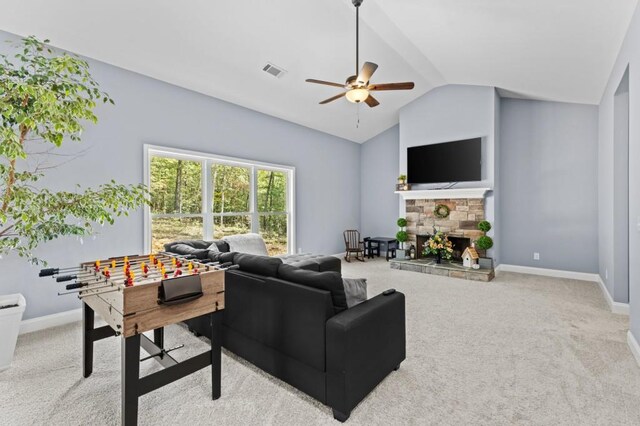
x=371 y=101
x=367 y=71
x=392 y=86
x=326 y=101
x=326 y=83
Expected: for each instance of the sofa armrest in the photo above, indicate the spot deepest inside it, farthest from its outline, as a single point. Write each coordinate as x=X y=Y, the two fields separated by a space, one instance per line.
x=364 y=344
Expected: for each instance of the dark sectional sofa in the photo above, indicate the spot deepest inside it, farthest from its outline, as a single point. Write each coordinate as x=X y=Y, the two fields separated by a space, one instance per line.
x=293 y=323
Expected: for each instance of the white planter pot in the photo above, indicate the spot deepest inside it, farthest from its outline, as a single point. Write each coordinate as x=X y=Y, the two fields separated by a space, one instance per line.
x=10 y=319
x=401 y=254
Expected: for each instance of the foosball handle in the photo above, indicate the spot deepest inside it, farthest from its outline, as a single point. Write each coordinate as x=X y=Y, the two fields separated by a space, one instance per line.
x=66 y=278
x=74 y=286
x=47 y=272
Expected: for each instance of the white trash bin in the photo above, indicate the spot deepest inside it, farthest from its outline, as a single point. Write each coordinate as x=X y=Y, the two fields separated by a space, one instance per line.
x=10 y=319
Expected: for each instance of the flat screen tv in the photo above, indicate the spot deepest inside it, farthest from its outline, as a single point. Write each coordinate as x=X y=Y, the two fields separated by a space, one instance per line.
x=458 y=161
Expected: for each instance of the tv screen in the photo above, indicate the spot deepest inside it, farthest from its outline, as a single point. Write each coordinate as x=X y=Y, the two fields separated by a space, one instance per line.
x=459 y=161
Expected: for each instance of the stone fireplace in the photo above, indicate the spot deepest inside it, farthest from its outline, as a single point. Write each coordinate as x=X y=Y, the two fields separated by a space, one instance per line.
x=460 y=226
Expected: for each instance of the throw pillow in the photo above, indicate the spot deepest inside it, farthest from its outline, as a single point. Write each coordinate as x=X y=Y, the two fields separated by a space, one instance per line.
x=213 y=248
x=355 y=290
x=247 y=243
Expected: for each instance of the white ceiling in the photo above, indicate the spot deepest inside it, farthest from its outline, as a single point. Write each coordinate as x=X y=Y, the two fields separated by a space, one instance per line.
x=544 y=49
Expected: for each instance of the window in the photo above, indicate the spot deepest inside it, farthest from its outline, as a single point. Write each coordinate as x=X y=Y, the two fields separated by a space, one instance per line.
x=202 y=196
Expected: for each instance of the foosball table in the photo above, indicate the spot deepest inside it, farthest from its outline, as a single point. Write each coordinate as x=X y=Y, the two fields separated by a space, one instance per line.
x=138 y=294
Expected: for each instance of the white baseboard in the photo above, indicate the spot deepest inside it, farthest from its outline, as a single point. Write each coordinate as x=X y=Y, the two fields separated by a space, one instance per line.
x=634 y=346
x=616 y=307
x=48 y=321
x=557 y=273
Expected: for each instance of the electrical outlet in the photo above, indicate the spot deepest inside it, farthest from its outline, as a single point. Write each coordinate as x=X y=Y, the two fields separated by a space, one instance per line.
x=299 y=250
x=606 y=274
x=536 y=256
x=638 y=223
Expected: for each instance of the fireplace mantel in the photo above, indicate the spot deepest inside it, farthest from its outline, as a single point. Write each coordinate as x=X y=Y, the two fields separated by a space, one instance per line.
x=441 y=194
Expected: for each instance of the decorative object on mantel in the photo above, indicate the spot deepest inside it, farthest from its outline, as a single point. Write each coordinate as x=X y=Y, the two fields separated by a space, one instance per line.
x=470 y=257
x=402 y=184
x=403 y=187
x=441 y=211
x=440 y=246
x=402 y=237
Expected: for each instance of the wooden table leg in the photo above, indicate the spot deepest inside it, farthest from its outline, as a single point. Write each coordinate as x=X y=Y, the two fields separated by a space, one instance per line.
x=88 y=317
x=130 y=359
x=216 y=370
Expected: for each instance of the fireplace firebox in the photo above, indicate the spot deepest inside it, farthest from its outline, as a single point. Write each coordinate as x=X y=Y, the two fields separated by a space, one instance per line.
x=458 y=244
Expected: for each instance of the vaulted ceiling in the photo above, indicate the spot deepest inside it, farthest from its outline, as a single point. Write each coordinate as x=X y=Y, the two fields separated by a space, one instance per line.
x=540 y=49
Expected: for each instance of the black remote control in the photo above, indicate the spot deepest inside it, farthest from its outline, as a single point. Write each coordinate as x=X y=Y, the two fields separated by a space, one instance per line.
x=388 y=292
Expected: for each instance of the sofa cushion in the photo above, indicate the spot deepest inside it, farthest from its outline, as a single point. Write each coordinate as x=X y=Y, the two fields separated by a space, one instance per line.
x=247 y=243
x=198 y=244
x=306 y=260
x=221 y=257
x=261 y=265
x=187 y=249
x=308 y=264
x=330 y=281
x=355 y=290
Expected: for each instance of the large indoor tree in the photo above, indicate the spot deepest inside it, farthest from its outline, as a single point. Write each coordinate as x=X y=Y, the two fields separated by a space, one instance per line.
x=46 y=98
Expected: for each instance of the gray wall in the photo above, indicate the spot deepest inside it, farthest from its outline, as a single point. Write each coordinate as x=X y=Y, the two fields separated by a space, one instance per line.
x=548 y=186
x=150 y=111
x=449 y=113
x=378 y=175
x=629 y=56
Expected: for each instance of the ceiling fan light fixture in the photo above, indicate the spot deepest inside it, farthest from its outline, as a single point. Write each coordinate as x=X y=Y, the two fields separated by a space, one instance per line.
x=357 y=95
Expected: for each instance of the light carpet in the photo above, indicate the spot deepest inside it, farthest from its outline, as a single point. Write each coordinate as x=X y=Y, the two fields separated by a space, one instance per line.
x=519 y=350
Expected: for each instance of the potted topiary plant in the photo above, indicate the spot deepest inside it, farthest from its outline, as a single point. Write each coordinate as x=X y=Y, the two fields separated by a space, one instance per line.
x=46 y=98
x=402 y=238
x=485 y=242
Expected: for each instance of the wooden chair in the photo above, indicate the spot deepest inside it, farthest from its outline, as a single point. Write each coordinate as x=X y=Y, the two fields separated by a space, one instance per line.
x=353 y=244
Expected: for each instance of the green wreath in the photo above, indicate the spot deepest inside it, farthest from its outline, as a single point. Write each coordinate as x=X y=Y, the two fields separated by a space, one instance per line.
x=441 y=211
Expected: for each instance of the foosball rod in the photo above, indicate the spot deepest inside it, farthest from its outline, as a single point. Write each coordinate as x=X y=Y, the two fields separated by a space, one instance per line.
x=133 y=260
x=82 y=296
x=78 y=290
x=149 y=275
x=91 y=273
x=54 y=271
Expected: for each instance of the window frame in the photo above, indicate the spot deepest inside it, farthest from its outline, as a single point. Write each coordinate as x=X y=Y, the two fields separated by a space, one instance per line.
x=207 y=160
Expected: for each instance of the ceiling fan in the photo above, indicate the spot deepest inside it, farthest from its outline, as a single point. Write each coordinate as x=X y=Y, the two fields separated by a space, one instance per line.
x=357 y=86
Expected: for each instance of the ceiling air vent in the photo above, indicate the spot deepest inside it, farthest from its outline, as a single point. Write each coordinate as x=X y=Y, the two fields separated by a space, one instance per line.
x=273 y=70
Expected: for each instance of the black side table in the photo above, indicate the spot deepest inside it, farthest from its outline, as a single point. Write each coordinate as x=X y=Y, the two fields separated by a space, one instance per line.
x=390 y=243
